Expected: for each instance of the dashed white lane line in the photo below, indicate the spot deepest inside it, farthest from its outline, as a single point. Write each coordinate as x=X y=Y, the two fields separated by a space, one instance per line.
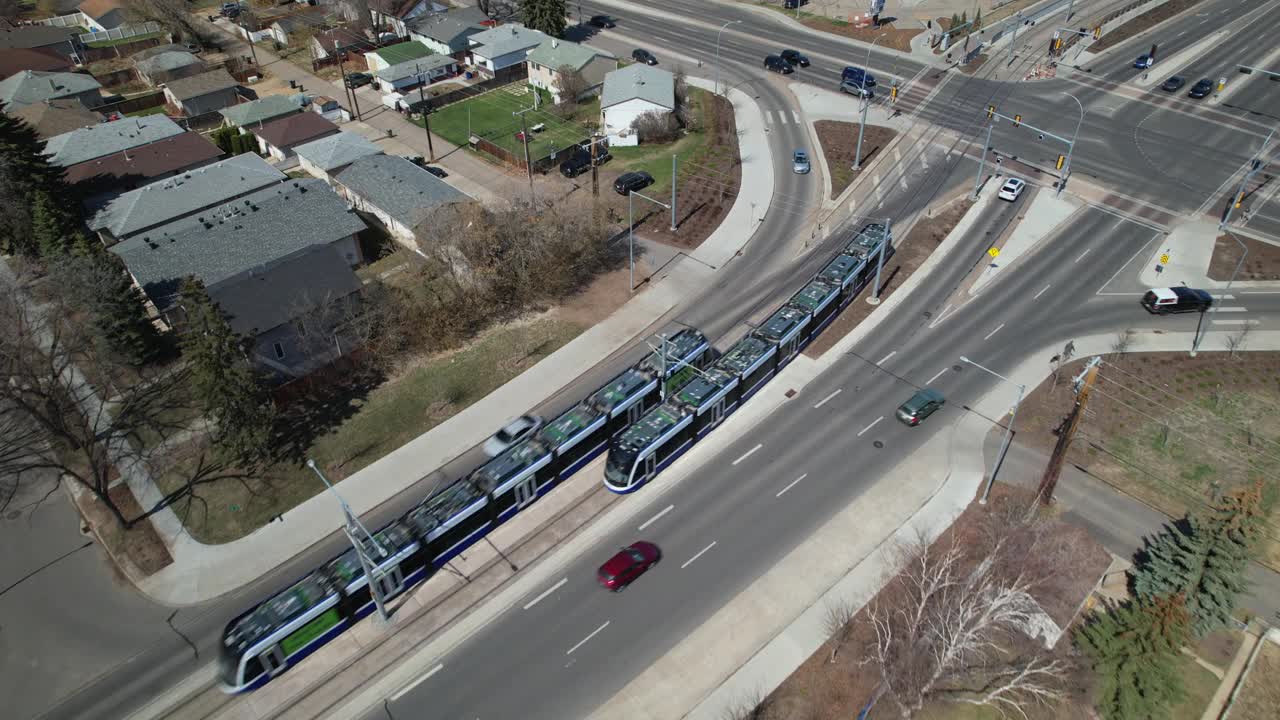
x=545 y=593
x=408 y=688
x=1236 y=322
x=768 y=117
x=902 y=182
x=1086 y=252
x=1233 y=308
x=747 y=454
x=993 y=332
x=885 y=359
x=924 y=161
x=791 y=484
x=935 y=377
x=873 y=424
x=897 y=156
x=655 y=518
x=699 y=554
x=584 y=640
x=824 y=400
x=795 y=116
x=1042 y=291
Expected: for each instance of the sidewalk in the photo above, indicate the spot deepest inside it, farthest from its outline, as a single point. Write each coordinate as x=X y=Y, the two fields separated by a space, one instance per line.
x=1040 y=219
x=1190 y=250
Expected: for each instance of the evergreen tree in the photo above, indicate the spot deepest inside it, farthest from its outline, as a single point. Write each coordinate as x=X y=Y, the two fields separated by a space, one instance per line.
x=1134 y=650
x=24 y=173
x=221 y=379
x=545 y=15
x=93 y=281
x=955 y=22
x=977 y=19
x=53 y=226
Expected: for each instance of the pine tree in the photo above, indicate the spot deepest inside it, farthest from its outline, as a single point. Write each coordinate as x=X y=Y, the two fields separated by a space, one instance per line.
x=120 y=315
x=24 y=173
x=1134 y=650
x=222 y=380
x=977 y=20
x=547 y=16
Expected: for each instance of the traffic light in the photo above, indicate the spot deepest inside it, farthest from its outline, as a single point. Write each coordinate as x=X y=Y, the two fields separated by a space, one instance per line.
x=1097 y=32
x=1062 y=159
x=1239 y=200
x=991 y=111
x=1017 y=119
x=893 y=94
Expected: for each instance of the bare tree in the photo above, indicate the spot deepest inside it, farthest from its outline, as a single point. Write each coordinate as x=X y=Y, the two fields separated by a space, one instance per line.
x=1236 y=341
x=838 y=622
x=1122 y=342
x=502 y=10
x=572 y=86
x=656 y=127
x=170 y=14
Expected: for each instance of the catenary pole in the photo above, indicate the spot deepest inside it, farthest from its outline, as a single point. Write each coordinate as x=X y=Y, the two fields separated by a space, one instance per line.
x=1049 y=482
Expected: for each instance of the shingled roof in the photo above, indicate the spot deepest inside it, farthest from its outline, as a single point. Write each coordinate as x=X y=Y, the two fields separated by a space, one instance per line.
x=269 y=295
x=92 y=142
x=398 y=187
x=152 y=160
x=335 y=151
x=293 y=129
x=32 y=86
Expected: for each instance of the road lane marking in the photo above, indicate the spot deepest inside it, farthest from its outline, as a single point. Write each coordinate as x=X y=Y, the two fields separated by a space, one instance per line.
x=1236 y=322
x=885 y=359
x=796 y=116
x=584 y=640
x=655 y=518
x=902 y=181
x=1037 y=295
x=791 y=484
x=689 y=562
x=545 y=593
x=1086 y=252
x=408 y=688
x=824 y=400
x=1233 y=308
x=935 y=377
x=924 y=159
x=747 y=454
x=897 y=156
x=873 y=424
x=993 y=332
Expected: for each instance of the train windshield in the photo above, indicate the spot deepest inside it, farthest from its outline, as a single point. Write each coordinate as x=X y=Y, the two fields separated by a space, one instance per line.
x=617 y=470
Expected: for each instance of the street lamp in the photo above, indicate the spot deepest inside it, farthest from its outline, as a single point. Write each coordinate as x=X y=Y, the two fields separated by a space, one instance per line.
x=1008 y=429
x=722 y=27
x=857 y=156
x=1071 y=146
x=1213 y=309
x=631 y=235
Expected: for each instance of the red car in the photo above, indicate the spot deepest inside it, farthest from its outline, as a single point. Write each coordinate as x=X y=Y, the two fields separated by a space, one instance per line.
x=629 y=564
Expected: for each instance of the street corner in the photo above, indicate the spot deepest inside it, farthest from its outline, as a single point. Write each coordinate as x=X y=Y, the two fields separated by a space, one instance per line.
x=1182 y=257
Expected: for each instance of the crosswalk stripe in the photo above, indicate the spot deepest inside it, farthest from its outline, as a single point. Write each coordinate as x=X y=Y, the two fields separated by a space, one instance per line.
x=796 y=115
x=768 y=117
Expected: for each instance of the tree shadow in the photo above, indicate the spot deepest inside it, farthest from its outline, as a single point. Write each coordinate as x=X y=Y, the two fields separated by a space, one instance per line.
x=319 y=407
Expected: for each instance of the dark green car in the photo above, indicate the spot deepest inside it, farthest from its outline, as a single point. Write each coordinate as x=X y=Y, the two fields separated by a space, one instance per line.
x=920 y=406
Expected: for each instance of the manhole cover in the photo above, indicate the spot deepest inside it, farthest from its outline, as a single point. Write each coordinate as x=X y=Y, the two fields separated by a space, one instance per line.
x=957 y=368
x=878 y=444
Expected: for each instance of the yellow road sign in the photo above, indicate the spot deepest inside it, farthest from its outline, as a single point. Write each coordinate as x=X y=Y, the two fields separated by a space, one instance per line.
x=1164 y=259
x=993 y=252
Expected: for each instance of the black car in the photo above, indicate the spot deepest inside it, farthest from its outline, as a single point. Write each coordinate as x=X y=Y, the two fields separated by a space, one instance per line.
x=422 y=163
x=778 y=65
x=794 y=58
x=631 y=181
x=644 y=56
x=793 y=4
x=1173 y=84
x=1202 y=88
x=580 y=161
x=357 y=80
x=858 y=76
x=601 y=21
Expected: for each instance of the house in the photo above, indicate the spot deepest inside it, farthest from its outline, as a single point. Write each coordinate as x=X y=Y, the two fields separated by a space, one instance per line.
x=61 y=40
x=201 y=94
x=383 y=58
x=185 y=195
x=405 y=75
x=502 y=51
x=326 y=43
x=103 y=15
x=448 y=33
x=55 y=117
x=95 y=141
x=398 y=13
x=15 y=60
x=168 y=66
x=548 y=60
x=397 y=192
x=112 y=175
x=631 y=92
x=32 y=86
x=278 y=137
x=251 y=114
x=298 y=26
x=326 y=157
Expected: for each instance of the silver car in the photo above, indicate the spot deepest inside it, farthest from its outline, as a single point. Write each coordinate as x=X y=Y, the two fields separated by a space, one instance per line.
x=800 y=162
x=512 y=433
x=853 y=88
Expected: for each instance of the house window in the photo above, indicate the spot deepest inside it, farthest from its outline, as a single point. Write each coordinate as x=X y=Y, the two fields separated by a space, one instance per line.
x=279 y=350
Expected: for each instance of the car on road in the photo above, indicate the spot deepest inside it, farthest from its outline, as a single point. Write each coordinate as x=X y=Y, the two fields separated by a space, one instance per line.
x=1173 y=84
x=853 y=88
x=601 y=21
x=858 y=76
x=629 y=182
x=580 y=161
x=1144 y=62
x=1164 y=301
x=774 y=63
x=794 y=58
x=1012 y=189
x=924 y=403
x=357 y=80
x=800 y=162
x=422 y=163
x=644 y=56
x=628 y=564
x=512 y=433
x=1201 y=89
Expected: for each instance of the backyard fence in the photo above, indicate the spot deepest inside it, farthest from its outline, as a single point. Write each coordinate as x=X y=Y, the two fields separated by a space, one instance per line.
x=121 y=33
x=143 y=101
x=75 y=19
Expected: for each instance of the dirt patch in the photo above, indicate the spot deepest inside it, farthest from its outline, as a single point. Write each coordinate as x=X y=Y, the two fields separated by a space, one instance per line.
x=1219 y=647
x=913 y=250
x=839 y=142
x=1148 y=19
x=973 y=66
x=599 y=299
x=1263 y=262
x=137 y=552
x=1260 y=696
x=894 y=37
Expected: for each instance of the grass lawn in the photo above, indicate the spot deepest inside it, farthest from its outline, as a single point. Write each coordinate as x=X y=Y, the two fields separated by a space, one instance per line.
x=1260 y=696
x=690 y=151
x=157 y=110
x=123 y=41
x=490 y=116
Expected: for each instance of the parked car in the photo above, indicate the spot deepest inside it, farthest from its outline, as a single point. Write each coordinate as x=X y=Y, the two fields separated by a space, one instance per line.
x=512 y=433
x=858 y=76
x=631 y=181
x=853 y=88
x=924 y=403
x=194 y=49
x=628 y=564
x=793 y=4
x=800 y=162
x=1144 y=61
x=357 y=80
x=1201 y=89
x=1164 y=301
x=601 y=21
x=644 y=56
x=794 y=58
x=776 y=64
x=230 y=9
x=437 y=171
x=580 y=161
x=1012 y=189
x=1173 y=84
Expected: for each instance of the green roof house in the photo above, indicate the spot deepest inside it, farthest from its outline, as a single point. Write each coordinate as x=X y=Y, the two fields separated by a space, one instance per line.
x=548 y=63
x=383 y=58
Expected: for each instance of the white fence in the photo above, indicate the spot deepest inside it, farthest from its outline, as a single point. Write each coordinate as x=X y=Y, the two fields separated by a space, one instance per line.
x=120 y=33
x=75 y=19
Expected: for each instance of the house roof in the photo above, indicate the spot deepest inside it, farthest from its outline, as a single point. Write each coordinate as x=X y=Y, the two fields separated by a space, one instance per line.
x=263 y=110
x=14 y=60
x=555 y=54
x=270 y=295
x=168 y=60
x=334 y=151
x=230 y=238
x=32 y=86
x=55 y=117
x=403 y=52
x=414 y=67
x=506 y=39
x=203 y=84
x=98 y=9
x=155 y=50
x=399 y=188
x=166 y=200
x=294 y=129
x=92 y=142
x=639 y=81
x=450 y=28
x=335 y=38
x=34 y=36
x=158 y=158
x=305 y=19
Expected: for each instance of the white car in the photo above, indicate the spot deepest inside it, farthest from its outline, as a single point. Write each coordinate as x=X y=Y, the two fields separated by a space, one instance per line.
x=1011 y=189
x=512 y=433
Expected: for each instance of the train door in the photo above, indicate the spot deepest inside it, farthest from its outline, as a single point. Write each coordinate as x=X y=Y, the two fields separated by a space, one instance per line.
x=526 y=490
x=650 y=462
x=635 y=412
x=390 y=581
x=717 y=411
x=272 y=660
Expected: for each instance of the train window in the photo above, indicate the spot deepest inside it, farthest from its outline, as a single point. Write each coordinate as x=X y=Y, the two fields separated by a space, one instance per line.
x=252 y=669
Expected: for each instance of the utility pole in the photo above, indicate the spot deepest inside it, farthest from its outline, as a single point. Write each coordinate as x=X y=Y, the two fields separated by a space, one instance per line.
x=595 y=171
x=1254 y=166
x=884 y=244
x=248 y=36
x=1084 y=384
x=524 y=134
x=351 y=92
x=359 y=535
x=982 y=166
x=673 y=192
x=422 y=108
